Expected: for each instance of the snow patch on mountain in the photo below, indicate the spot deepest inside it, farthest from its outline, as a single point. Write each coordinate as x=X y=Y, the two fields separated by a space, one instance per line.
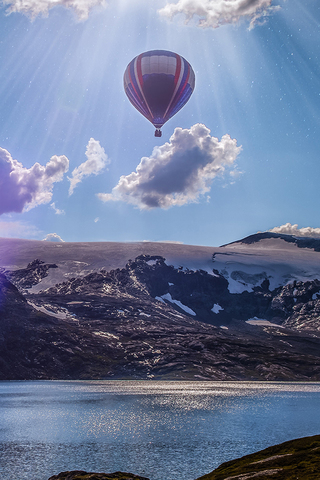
x=107 y=335
x=246 y=266
x=151 y=262
x=216 y=308
x=168 y=297
x=53 y=311
x=261 y=322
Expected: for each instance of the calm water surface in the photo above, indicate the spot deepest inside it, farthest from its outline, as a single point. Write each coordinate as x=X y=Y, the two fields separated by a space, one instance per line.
x=162 y=430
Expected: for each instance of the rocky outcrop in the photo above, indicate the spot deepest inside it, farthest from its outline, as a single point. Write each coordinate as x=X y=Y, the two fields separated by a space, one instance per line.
x=82 y=475
x=31 y=275
x=288 y=461
x=305 y=317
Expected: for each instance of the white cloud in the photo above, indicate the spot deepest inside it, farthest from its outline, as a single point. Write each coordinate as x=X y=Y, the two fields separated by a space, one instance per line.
x=57 y=211
x=214 y=13
x=22 y=189
x=18 y=230
x=96 y=219
x=33 y=8
x=52 y=237
x=97 y=161
x=289 y=229
x=178 y=172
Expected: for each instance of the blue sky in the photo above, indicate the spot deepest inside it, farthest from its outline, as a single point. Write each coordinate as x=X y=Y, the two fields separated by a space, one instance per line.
x=72 y=144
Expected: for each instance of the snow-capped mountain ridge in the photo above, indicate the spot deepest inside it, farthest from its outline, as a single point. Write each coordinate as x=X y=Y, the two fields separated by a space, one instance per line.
x=245 y=264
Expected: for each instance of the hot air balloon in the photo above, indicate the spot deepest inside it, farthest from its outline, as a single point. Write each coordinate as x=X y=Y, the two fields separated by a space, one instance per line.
x=158 y=84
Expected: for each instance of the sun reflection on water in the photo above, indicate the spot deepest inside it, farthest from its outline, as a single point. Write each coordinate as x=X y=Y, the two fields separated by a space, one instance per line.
x=155 y=429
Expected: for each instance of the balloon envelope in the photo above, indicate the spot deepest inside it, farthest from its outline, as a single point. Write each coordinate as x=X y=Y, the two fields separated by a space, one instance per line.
x=158 y=84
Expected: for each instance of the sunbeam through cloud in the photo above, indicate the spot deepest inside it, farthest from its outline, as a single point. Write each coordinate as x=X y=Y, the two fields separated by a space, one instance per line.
x=214 y=14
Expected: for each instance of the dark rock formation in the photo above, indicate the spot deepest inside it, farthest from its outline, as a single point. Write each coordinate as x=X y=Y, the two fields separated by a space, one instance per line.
x=150 y=320
x=288 y=461
x=27 y=277
x=81 y=475
x=305 y=316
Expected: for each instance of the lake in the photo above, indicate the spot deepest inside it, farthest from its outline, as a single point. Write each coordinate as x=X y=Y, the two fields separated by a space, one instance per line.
x=171 y=430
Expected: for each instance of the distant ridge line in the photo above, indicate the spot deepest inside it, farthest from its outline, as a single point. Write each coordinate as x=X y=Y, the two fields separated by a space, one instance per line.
x=301 y=242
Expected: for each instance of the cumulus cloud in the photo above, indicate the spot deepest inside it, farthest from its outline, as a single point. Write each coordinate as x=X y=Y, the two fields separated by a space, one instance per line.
x=178 y=172
x=21 y=188
x=9 y=229
x=215 y=13
x=289 y=229
x=52 y=237
x=33 y=8
x=97 y=161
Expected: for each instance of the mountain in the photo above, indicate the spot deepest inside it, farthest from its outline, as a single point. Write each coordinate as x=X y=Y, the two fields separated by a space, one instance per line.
x=245 y=311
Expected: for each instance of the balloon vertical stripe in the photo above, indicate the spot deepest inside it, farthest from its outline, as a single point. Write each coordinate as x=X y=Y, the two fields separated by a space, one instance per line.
x=178 y=79
x=178 y=69
x=139 y=71
x=138 y=81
